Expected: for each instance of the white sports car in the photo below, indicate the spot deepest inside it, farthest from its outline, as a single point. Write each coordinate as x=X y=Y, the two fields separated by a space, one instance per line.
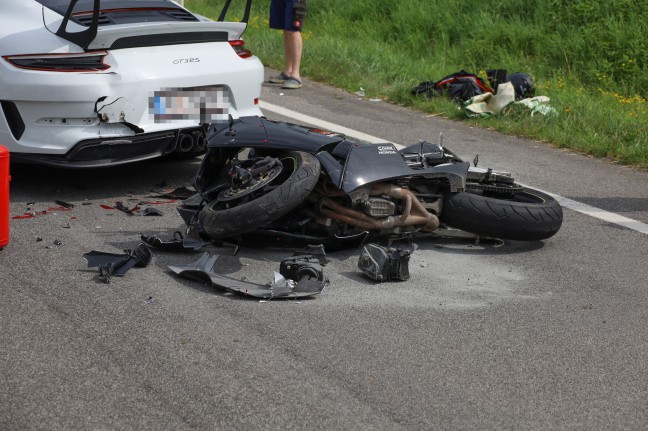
x=86 y=83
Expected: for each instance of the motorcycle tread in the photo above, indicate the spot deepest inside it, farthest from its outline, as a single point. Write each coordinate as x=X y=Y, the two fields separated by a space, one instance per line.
x=267 y=208
x=505 y=219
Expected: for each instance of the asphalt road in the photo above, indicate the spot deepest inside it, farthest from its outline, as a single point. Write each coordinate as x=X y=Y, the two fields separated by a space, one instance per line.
x=540 y=335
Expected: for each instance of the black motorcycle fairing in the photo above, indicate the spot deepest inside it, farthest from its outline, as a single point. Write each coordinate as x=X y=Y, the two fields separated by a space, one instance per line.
x=259 y=132
x=373 y=163
x=358 y=164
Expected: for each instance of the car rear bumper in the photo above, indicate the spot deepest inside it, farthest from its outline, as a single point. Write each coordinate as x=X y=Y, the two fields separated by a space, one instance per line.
x=98 y=152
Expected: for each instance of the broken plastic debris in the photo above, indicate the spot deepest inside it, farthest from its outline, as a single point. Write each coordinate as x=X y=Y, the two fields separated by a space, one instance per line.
x=277 y=289
x=110 y=264
x=123 y=208
x=151 y=212
x=64 y=204
x=191 y=242
x=360 y=92
x=383 y=263
x=178 y=193
x=280 y=286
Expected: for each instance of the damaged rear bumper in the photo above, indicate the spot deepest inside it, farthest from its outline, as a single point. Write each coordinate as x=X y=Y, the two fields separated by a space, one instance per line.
x=109 y=151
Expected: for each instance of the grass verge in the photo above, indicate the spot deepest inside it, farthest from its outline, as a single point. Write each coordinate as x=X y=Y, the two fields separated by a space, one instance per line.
x=587 y=57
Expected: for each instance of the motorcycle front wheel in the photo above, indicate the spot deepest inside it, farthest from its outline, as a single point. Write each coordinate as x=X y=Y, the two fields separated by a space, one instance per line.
x=525 y=215
x=263 y=205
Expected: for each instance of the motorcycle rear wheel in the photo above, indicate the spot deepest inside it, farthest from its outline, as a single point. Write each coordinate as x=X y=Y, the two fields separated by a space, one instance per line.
x=528 y=215
x=265 y=205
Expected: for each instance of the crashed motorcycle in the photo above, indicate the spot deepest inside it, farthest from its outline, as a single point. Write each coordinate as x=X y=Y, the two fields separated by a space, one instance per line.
x=264 y=182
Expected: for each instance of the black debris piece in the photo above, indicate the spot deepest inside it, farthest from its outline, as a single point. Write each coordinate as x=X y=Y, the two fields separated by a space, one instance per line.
x=178 y=193
x=123 y=208
x=57 y=242
x=151 y=212
x=110 y=264
x=311 y=283
x=64 y=204
x=386 y=263
x=314 y=252
x=190 y=242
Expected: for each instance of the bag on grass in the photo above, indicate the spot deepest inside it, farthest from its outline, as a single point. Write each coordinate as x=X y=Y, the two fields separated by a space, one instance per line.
x=459 y=86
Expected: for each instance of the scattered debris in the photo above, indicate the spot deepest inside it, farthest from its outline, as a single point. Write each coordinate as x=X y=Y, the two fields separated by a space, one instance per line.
x=112 y=264
x=149 y=300
x=64 y=204
x=151 y=212
x=386 y=263
x=123 y=208
x=57 y=242
x=308 y=279
x=191 y=242
x=360 y=92
x=504 y=103
x=178 y=193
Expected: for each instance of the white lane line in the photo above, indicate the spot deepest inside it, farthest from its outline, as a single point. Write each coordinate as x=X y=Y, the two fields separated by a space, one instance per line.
x=598 y=213
x=573 y=205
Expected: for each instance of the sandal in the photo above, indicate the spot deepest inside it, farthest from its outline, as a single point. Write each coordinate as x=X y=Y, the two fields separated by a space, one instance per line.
x=292 y=83
x=279 y=79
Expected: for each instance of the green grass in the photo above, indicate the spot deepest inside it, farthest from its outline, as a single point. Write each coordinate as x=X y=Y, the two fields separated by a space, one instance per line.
x=589 y=57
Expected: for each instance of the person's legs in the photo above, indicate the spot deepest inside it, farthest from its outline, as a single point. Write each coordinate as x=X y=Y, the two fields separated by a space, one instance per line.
x=293 y=45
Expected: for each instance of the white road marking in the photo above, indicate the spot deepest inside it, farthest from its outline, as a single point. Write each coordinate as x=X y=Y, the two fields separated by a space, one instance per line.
x=600 y=214
x=573 y=205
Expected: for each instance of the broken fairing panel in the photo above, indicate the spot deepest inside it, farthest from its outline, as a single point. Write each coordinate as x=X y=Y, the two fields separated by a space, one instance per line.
x=110 y=264
x=191 y=242
x=280 y=287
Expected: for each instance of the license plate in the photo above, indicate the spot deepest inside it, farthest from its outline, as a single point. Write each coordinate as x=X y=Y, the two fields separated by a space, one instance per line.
x=201 y=104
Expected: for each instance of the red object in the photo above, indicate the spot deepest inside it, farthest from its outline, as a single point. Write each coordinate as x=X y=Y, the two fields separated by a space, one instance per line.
x=4 y=196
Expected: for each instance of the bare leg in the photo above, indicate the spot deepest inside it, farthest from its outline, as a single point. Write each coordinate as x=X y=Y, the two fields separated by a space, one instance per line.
x=293 y=46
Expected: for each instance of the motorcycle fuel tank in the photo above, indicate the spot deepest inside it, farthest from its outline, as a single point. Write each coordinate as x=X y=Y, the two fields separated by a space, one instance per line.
x=259 y=132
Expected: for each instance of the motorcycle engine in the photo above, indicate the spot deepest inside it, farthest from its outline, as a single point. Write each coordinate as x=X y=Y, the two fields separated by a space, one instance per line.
x=378 y=207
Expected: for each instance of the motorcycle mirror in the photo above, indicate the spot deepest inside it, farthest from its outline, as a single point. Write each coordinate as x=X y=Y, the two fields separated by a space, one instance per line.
x=440 y=140
x=476 y=160
x=230 y=125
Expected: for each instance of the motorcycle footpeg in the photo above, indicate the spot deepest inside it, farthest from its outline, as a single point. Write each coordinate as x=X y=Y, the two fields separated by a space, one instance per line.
x=386 y=263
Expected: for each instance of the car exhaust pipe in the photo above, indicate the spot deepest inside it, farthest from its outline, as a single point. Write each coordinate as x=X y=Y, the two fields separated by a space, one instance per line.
x=185 y=143
x=200 y=142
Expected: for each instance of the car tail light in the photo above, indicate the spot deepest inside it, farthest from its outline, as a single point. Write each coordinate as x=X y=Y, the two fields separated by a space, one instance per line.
x=241 y=50
x=78 y=62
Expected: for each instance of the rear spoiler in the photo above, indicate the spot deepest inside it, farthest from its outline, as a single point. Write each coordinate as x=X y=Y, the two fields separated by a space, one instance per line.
x=246 y=14
x=86 y=37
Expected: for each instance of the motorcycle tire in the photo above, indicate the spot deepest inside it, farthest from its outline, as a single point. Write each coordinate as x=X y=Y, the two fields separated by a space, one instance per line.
x=269 y=204
x=529 y=215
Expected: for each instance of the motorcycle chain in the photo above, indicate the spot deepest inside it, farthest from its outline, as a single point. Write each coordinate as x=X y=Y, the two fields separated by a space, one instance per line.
x=509 y=189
